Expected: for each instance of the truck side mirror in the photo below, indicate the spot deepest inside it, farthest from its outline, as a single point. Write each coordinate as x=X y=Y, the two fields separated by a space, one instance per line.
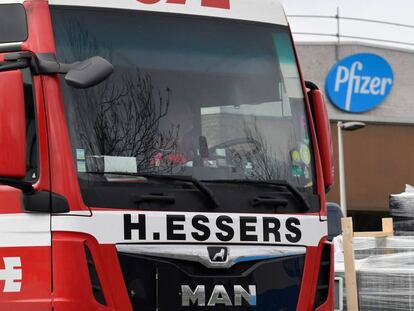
x=79 y=75
x=88 y=73
x=335 y=215
x=323 y=132
x=12 y=125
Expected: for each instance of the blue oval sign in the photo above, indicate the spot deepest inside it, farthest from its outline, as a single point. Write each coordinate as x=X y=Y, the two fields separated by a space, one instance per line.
x=359 y=82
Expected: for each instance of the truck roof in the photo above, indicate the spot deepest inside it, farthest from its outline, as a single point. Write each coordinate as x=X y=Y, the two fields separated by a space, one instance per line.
x=265 y=11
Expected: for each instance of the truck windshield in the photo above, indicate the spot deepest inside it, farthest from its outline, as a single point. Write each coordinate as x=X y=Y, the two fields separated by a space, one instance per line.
x=210 y=98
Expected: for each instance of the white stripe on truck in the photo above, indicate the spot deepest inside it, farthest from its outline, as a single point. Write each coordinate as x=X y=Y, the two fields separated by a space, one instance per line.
x=112 y=227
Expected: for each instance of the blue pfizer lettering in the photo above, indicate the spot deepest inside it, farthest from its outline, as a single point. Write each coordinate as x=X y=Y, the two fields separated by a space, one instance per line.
x=359 y=83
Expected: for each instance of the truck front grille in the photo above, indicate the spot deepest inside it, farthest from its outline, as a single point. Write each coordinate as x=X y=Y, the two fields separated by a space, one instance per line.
x=156 y=283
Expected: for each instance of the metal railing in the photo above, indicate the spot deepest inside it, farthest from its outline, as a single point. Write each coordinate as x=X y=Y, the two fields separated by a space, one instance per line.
x=338 y=35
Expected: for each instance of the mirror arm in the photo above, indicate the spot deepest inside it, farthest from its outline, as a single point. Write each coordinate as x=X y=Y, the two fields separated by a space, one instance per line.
x=39 y=63
x=14 y=65
x=42 y=63
x=65 y=68
x=25 y=186
x=87 y=73
x=17 y=56
x=311 y=86
x=47 y=63
x=14 y=61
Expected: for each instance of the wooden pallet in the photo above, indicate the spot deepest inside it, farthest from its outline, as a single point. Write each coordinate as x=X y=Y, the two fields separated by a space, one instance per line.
x=348 y=235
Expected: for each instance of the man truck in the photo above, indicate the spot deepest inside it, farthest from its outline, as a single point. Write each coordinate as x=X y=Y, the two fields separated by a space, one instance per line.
x=160 y=155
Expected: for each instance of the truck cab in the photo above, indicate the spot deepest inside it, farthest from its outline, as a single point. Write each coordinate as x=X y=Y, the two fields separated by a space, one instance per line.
x=160 y=155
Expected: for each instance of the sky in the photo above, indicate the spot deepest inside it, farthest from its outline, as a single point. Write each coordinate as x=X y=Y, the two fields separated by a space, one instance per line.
x=394 y=11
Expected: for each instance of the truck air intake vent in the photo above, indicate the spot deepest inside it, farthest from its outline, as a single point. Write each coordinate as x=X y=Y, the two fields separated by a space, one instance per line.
x=322 y=290
x=96 y=284
x=156 y=283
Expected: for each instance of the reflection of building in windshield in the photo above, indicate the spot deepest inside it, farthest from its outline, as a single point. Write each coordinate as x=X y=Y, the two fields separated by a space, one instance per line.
x=256 y=136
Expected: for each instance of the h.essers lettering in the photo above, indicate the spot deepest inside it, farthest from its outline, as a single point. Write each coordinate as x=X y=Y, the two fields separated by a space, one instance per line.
x=220 y=228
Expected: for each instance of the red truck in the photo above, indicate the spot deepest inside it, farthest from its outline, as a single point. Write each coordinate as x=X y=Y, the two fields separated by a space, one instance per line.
x=160 y=155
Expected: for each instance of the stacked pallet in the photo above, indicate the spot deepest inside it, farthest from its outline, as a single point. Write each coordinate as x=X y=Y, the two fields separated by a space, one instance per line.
x=377 y=268
x=402 y=212
x=384 y=273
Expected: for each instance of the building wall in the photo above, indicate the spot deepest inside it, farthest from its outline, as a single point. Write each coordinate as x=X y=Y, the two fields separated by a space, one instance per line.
x=316 y=61
x=379 y=159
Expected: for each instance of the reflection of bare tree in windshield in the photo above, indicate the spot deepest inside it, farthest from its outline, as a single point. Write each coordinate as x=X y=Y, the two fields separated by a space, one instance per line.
x=120 y=117
x=265 y=163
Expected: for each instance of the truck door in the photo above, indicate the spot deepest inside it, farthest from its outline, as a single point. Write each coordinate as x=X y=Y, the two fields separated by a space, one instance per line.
x=25 y=239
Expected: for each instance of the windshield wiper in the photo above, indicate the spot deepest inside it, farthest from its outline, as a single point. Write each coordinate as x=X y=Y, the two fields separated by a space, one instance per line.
x=281 y=183
x=196 y=183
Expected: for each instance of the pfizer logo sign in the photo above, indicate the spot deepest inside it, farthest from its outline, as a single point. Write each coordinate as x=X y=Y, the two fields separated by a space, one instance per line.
x=359 y=82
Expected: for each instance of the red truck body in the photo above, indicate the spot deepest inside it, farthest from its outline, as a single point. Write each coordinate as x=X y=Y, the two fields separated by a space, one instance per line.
x=60 y=252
